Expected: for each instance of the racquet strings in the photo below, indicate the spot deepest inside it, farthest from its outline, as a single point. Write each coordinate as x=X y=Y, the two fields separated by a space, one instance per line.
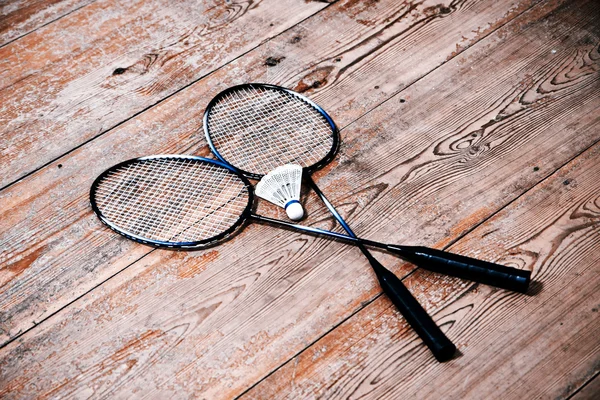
x=258 y=129
x=172 y=200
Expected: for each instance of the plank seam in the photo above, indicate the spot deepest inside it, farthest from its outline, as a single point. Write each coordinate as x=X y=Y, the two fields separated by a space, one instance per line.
x=46 y=24
x=583 y=386
x=35 y=325
x=519 y=196
x=356 y=311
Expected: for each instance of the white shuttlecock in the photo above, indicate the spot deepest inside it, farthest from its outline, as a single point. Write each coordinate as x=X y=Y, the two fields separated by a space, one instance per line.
x=282 y=188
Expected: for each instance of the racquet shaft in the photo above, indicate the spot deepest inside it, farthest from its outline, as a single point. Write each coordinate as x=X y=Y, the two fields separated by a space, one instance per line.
x=431 y=259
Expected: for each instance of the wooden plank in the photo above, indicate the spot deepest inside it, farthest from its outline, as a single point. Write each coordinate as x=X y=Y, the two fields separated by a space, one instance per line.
x=544 y=345
x=70 y=253
x=68 y=82
x=20 y=17
x=589 y=391
x=243 y=308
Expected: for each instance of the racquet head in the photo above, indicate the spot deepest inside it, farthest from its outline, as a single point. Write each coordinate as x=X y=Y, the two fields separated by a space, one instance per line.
x=257 y=128
x=172 y=201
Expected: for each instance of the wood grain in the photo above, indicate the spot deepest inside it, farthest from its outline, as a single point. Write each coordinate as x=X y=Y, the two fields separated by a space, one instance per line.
x=170 y=317
x=544 y=345
x=20 y=17
x=72 y=80
x=70 y=253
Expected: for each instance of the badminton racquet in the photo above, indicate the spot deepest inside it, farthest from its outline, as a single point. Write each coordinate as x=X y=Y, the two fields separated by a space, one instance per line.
x=255 y=128
x=194 y=202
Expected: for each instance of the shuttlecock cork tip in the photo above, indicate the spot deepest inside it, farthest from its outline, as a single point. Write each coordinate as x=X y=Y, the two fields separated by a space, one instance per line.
x=294 y=211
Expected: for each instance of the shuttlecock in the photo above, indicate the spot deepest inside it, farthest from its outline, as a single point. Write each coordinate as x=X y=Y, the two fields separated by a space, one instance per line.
x=282 y=188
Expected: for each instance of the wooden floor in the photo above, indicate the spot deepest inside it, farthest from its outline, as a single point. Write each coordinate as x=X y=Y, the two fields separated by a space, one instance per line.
x=472 y=126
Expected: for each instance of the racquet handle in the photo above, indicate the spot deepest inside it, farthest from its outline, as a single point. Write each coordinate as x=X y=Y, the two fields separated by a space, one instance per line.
x=441 y=347
x=465 y=267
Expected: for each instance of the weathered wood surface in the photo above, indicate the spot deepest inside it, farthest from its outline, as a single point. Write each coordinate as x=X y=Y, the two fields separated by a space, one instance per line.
x=70 y=253
x=161 y=324
x=19 y=17
x=72 y=80
x=545 y=345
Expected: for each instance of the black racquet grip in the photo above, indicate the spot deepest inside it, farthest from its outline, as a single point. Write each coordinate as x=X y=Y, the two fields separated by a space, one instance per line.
x=441 y=347
x=465 y=267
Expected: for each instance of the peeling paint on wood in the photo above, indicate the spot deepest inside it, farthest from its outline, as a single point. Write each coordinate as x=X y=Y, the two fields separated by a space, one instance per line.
x=421 y=163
